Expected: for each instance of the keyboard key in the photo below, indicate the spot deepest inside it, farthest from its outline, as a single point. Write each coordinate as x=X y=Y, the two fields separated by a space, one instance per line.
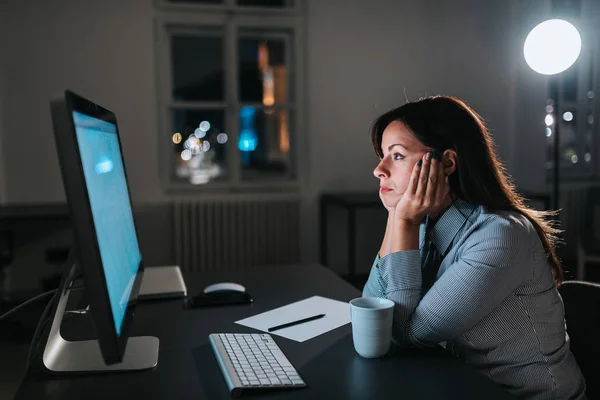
x=281 y=359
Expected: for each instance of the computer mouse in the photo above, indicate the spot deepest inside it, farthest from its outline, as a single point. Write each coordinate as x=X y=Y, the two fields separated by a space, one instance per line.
x=224 y=287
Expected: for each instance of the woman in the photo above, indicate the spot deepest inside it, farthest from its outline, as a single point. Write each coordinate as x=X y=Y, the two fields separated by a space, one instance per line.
x=465 y=261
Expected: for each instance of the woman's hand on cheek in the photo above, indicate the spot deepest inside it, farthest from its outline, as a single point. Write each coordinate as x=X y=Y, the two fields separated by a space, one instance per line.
x=426 y=192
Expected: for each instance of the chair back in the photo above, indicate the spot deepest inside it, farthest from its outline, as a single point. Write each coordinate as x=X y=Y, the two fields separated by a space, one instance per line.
x=582 y=314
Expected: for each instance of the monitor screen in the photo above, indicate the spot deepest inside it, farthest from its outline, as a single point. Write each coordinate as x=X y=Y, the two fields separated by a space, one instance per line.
x=109 y=200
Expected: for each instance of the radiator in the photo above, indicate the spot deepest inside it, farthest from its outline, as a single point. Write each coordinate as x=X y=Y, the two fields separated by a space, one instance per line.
x=213 y=235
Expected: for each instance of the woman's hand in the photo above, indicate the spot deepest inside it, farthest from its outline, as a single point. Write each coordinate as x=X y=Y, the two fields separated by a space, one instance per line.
x=427 y=190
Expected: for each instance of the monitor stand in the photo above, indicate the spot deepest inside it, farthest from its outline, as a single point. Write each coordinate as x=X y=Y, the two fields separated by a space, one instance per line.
x=63 y=356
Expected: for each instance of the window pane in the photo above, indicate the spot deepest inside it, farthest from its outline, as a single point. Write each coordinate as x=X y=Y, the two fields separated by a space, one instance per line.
x=200 y=149
x=266 y=3
x=264 y=67
x=264 y=143
x=575 y=159
x=570 y=84
x=197 y=65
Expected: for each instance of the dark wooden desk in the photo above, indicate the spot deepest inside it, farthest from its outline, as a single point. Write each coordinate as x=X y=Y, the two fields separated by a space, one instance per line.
x=13 y=216
x=352 y=202
x=187 y=368
x=28 y=218
x=24 y=212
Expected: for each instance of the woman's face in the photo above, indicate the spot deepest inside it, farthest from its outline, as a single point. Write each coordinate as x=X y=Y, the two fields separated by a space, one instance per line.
x=401 y=151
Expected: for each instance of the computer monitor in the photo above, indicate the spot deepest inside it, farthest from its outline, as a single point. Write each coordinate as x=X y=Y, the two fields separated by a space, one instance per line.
x=106 y=245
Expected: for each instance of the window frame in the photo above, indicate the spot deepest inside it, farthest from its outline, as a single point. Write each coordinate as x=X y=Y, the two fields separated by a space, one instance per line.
x=230 y=6
x=210 y=17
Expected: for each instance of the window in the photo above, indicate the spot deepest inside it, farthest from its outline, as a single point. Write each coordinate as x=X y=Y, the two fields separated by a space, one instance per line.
x=577 y=89
x=229 y=92
x=273 y=4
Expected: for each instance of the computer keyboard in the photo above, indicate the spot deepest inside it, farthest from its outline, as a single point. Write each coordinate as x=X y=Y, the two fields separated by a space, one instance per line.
x=253 y=361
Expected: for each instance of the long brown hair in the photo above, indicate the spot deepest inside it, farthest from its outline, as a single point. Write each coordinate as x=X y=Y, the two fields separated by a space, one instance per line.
x=442 y=123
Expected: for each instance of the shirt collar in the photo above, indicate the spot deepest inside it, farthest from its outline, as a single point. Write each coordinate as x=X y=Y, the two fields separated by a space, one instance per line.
x=449 y=224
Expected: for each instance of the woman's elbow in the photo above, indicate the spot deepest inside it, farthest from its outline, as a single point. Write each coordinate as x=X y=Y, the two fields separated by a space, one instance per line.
x=367 y=292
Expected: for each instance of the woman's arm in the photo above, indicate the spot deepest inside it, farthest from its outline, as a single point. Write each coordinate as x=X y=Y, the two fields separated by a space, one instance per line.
x=375 y=286
x=405 y=236
x=403 y=223
x=493 y=264
x=387 y=238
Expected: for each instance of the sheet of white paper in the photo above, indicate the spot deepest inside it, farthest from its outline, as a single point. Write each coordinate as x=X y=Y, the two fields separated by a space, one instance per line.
x=337 y=313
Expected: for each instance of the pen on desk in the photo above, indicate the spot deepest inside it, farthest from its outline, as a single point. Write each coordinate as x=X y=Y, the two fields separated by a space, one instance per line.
x=300 y=321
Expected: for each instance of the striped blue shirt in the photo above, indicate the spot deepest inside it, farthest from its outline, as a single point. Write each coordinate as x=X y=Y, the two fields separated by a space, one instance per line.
x=493 y=302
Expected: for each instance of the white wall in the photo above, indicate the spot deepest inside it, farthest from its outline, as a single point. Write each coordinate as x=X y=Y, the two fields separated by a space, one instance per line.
x=2 y=92
x=363 y=57
x=103 y=50
x=529 y=147
x=367 y=58
x=2 y=173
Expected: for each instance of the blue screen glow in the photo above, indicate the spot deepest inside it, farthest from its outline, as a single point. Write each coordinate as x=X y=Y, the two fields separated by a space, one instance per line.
x=111 y=209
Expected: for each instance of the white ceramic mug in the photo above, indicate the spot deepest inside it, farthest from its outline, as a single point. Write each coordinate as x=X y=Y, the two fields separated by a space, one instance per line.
x=372 y=319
